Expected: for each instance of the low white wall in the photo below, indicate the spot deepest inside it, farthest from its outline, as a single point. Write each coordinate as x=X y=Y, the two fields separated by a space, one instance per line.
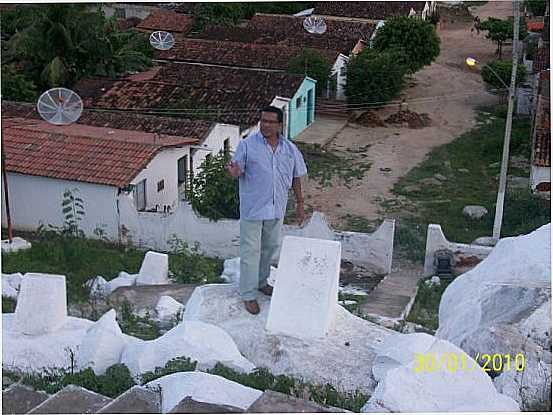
x=222 y=238
x=436 y=240
x=131 y=10
x=36 y=200
x=214 y=142
x=339 y=67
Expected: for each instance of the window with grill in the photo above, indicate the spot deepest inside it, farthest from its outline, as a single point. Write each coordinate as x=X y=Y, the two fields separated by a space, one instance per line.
x=160 y=185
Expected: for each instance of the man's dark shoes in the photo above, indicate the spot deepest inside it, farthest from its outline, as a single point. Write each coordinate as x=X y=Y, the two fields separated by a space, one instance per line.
x=267 y=290
x=252 y=306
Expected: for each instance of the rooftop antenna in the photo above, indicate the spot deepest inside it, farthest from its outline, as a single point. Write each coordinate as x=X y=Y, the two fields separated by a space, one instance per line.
x=314 y=25
x=60 y=106
x=162 y=40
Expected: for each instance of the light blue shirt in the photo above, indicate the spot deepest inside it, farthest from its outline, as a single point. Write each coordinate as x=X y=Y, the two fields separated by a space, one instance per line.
x=266 y=176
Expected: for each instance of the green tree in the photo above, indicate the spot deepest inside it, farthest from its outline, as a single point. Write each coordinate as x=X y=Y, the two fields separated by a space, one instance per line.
x=417 y=38
x=503 y=69
x=313 y=64
x=214 y=191
x=374 y=76
x=69 y=41
x=499 y=31
x=15 y=86
x=537 y=7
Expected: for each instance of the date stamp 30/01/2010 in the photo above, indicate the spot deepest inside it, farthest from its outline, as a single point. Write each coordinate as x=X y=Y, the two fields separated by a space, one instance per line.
x=453 y=362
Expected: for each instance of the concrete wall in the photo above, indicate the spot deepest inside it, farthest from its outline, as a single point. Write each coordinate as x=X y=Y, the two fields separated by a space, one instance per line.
x=222 y=238
x=298 y=116
x=524 y=100
x=435 y=240
x=36 y=200
x=284 y=105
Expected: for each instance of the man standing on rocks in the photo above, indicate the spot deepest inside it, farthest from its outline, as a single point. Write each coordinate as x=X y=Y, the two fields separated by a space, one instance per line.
x=267 y=165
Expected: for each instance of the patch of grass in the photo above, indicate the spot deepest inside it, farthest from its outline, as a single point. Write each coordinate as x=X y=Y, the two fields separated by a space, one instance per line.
x=427 y=303
x=142 y=327
x=356 y=223
x=470 y=165
x=8 y=305
x=262 y=379
x=178 y=364
x=116 y=380
x=410 y=239
x=323 y=165
x=353 y=308
x=79 y=259
x=188 y=265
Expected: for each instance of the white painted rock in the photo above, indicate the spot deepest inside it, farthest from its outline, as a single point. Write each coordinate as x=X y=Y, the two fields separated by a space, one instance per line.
x=11 y=284
x=154 y=269
x=102 y=345
x=402 y=389
x=330 y=360
x=475 y=211
x=485 y=241
x=42 y=304
x=205 y=343
x=231 y=270
x=304 y=299
x=37 y=352
x=123 y=280
x=203 y=387
x=501 y=305
x=168 y=309
x=17 y=244
x=97 y=286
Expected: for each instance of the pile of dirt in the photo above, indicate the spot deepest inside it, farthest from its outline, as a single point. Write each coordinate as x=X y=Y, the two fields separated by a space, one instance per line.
x=411 y=118
x=369 y=119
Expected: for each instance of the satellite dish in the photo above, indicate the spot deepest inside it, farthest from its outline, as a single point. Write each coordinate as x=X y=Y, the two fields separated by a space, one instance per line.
x=314 y=24
x=60 y=106
x=306 y=12
x=162 y=40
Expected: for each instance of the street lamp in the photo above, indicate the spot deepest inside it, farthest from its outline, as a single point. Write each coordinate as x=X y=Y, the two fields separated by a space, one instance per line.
x=498 y=219
x=471 y=62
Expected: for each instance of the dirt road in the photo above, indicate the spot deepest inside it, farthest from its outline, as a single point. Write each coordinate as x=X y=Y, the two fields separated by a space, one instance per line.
x=447 y=90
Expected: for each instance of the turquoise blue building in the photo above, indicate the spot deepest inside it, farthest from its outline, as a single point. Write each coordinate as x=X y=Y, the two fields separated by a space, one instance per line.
x=301 y=108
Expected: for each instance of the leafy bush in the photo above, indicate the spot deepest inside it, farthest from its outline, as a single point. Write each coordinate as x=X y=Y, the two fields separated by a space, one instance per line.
x=313 y=64
x=417 y=38
x=142 y=327
x=214 y=193
x=375 y=77
x=178 y=364
x=189 y=266
x=499 y=31
x=537 y=7
x=503 y=69
x=16 y=86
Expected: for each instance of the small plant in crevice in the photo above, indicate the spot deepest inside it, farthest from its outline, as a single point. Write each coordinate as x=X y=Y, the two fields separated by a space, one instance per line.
x=142 y=327
x=188 y=265
x=178 y=364
x=72 y=208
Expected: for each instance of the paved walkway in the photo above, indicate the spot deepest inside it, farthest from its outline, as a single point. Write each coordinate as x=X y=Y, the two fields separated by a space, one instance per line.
x=395 y=293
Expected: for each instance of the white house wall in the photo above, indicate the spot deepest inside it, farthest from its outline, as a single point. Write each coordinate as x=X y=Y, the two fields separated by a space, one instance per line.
x=539 y=175
x=131 y=10
x=282 y=103
x=214 y=143
x=36 y=200
x=162 y=167
x=339 y=67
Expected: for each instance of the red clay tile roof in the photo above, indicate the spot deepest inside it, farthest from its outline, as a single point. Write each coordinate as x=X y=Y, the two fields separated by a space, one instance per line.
x=535 y=26
x=541 y=59
x=226 y=95
x=171 y=130
x=167 y=20
x=37 y=151
x=287 y=30
x=239 y=54
x=374 y=10
x=125 y=24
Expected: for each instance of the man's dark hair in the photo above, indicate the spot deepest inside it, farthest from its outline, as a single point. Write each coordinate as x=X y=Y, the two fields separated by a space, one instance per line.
x=275 y=110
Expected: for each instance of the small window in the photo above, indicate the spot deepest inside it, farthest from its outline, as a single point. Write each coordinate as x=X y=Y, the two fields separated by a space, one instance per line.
x=120 y=13
x=226 y=146
x=298 y=102
x=160 y=185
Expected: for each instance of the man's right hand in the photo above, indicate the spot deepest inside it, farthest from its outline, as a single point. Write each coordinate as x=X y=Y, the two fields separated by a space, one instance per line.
x=233 y=168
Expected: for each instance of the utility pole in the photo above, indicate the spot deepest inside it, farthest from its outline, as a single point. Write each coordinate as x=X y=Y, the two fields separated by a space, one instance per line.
x=508 y=124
